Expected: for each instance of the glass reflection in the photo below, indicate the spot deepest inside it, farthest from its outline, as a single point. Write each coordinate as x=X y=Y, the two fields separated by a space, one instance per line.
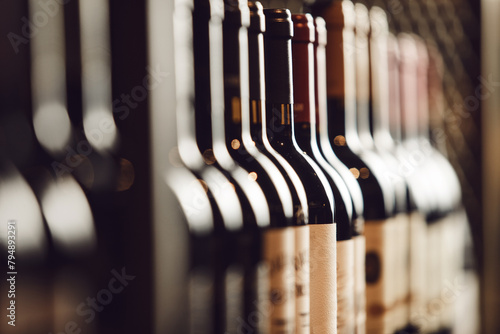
x=68 y=216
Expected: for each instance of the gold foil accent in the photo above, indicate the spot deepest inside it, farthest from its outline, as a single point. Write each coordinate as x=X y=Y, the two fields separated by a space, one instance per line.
x=236 y=109
x=235 y=144
x=252 y=176
x=339 y=140
x=126 y=175
x=254 y=112
x=208 y=157
x=354 y=172
x=364 y=173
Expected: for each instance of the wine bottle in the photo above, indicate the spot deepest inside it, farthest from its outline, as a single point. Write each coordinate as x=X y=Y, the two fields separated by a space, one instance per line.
x=378 y=193
x=410 y=117
x=279 y=118
x=376 y=121
x=450 y=221
x=236 y=241
x=366 y=102
x=213 y=213
x=259 y=130
x=459 y=258
x=242 y=149
x=349 y=179
x=417 y=199
x=305 y=134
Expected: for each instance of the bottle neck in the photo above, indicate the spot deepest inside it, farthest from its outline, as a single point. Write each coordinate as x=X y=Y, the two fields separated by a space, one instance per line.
x=362 y=61
x=341 y=87
x=304 y=94
x=234 y=83
x=279 y=91
x=278 y=68
x=258 y=123
x=279 y=124
x=380 y=92
x=209 y=89
x=202 y=72
x=321 y=93
x=185 y=92
x=394 y=104
x=423 y=99
x=409 y=101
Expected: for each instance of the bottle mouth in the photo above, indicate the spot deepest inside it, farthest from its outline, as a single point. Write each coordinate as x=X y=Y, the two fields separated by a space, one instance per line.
x=236 y=13
x=319 y=31
x=278 y=23
x=339 y=14
x=303 y=27
x=257 y=19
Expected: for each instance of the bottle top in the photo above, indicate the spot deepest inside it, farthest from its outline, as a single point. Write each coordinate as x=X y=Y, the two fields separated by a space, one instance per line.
x=213 y=9
x=320 y=31
x=278 y=23
x=303 y=27
x=340 y=14
x=237 y=13
x=257 y=19
x=362 y=19
x=378 y=22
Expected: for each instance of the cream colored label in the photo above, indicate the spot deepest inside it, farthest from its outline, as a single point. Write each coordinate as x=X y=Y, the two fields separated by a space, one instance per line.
x=434 y=274
x=418 y=267
x=359 y=284
x=200 y=301
x=381 y=273
x=447 y=264
x=345 y=287
x=402 y=241
x=279 y=251
x=462 y=301
x=262 y=305
x=323 y=271
x=302 y=301
x=453 y=228
x=234 y=299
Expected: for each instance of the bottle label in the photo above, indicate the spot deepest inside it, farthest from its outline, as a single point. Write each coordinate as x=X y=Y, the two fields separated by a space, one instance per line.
x=200 y=301
x=418 y=268
x=234 y=299
x=301 y=263
x=434 y=272
x=454 y=249
x=279 y=251
x=402 y=244
x=380 y=266
x=323 y=273
x=359 y=284
x=345 y=286
x=450 y=243
x=454 y=231
x=259 y=318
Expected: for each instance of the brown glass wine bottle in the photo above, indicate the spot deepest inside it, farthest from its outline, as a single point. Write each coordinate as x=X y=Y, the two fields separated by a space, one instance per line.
x=279 y=118
x=305 y=134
